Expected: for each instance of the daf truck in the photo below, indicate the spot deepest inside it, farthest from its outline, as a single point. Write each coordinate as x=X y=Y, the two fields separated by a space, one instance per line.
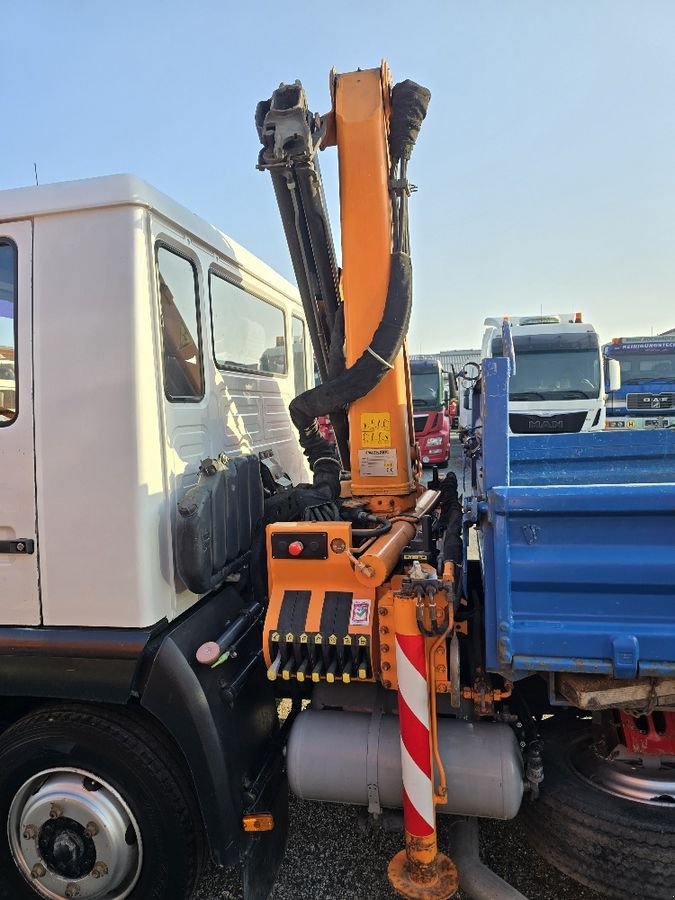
x=646 y=395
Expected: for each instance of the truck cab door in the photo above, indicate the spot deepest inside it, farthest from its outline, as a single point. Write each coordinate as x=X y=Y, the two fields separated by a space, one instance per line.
x=19 y=591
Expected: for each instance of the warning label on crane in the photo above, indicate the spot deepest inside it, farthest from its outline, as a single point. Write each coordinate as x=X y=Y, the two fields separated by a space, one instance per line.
x=377 y=462
x=376 y=429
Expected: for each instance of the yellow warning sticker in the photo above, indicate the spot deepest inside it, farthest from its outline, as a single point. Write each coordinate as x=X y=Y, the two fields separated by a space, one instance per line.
x=376 y=429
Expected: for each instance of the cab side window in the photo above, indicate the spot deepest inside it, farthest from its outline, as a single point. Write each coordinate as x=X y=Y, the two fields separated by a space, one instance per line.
x=179 y=307
x=248 y=333
x=8 y=279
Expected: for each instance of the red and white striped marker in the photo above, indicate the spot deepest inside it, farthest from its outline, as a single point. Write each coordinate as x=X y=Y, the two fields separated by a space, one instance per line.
x=419 y=872
x=413 y=710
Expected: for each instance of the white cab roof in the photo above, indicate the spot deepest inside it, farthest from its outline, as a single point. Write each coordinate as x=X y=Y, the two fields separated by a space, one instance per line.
x=128 y=190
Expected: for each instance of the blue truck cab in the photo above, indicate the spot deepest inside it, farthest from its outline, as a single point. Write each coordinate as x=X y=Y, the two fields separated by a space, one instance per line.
x=646 y=397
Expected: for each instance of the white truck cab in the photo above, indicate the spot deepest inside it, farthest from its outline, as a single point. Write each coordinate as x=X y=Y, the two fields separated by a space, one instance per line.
x=146 y=340
x=558 y=385
x=146 y=366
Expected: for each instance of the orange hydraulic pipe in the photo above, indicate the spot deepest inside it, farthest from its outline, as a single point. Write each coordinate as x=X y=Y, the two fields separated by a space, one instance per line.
x=379 y=422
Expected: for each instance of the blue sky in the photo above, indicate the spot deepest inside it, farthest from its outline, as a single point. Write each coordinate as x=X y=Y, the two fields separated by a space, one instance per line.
x=546 y=167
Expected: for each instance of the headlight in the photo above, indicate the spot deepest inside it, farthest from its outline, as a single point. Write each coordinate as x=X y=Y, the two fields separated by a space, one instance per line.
x=434 y=442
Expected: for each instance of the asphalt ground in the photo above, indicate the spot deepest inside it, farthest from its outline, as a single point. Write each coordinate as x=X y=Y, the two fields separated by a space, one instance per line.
x=330 y=858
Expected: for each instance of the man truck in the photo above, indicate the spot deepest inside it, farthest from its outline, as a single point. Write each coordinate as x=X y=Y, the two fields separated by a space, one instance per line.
x=559 y=384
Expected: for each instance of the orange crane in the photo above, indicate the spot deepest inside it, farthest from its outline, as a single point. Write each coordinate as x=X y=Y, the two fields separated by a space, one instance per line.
x=354 y=592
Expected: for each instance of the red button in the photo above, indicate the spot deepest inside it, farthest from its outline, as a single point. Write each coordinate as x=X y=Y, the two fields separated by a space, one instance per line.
x=295 y=548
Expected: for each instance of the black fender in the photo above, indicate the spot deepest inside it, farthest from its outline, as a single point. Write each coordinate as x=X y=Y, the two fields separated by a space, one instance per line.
x=224 y=720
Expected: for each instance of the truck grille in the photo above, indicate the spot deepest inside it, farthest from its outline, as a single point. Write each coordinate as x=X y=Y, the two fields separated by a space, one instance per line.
x=649 y=401
x=562 y=423
x=420 y=422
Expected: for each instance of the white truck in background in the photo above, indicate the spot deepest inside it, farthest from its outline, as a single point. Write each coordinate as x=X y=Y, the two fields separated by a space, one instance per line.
x=559 y=385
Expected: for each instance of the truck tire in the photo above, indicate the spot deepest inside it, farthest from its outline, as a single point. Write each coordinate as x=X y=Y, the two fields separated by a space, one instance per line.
x=620 y=848
x=93 y=797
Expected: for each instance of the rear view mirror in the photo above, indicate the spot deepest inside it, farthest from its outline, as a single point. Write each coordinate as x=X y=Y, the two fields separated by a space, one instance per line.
x=613 y=375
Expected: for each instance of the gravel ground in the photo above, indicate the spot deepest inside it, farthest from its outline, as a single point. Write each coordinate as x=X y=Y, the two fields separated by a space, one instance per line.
x=330 y=858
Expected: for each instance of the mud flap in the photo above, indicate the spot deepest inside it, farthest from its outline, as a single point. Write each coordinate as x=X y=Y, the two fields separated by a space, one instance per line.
x=263 y=860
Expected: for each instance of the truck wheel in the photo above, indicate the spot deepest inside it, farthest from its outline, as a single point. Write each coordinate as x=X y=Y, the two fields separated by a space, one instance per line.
x=96 y=806
x=584 y=824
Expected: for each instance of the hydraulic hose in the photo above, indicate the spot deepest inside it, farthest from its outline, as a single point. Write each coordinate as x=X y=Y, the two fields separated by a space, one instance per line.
x=375 y=361
x=451 y=520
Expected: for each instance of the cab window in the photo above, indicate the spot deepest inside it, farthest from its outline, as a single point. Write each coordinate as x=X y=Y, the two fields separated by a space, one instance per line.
x=248 y=333
x=179 y=306
x=8 y=266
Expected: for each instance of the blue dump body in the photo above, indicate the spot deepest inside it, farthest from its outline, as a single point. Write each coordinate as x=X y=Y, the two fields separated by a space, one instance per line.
x=577 y=538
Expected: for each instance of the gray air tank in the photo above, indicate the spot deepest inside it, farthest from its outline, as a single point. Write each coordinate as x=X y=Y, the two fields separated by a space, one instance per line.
x=334 y=755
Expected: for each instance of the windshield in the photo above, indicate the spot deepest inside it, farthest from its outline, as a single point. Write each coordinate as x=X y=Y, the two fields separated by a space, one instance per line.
x=426 y=389
x=560 y=366
x=569 y=375
x=642 y=368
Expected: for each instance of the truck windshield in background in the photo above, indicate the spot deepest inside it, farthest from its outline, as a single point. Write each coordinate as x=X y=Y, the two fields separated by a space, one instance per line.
x=558 y=386
x=427 y=390
x=432 y=424
x=559 y=367
x=646 y=398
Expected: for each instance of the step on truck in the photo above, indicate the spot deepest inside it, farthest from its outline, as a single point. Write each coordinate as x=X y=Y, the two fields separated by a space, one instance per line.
x=174 y=563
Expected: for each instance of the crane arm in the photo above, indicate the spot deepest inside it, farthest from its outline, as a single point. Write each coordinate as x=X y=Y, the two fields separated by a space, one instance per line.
x=375 y=129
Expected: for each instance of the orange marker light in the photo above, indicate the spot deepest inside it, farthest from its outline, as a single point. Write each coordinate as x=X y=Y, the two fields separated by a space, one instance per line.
x=577 y=317
x=258 y=822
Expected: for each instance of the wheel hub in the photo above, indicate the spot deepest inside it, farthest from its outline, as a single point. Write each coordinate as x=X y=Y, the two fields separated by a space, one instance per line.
x=72 y=835
x=66 y=848
x=653 y=784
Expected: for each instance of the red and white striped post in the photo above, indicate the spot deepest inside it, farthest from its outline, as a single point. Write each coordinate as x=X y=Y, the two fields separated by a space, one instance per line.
x=419 y=872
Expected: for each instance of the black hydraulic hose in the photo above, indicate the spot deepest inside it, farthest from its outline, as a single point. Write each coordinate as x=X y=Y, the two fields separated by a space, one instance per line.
x=336 y=365
x=385 y=528
x=375 y=361
x=336 y=357
x=296 y=239
x=451 y=520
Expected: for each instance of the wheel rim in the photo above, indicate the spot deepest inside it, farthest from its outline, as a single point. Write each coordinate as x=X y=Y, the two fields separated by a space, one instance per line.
x=72 y=835
x=630 y=779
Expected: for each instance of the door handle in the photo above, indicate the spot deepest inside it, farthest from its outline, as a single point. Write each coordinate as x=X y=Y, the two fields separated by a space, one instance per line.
x=21 y=545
